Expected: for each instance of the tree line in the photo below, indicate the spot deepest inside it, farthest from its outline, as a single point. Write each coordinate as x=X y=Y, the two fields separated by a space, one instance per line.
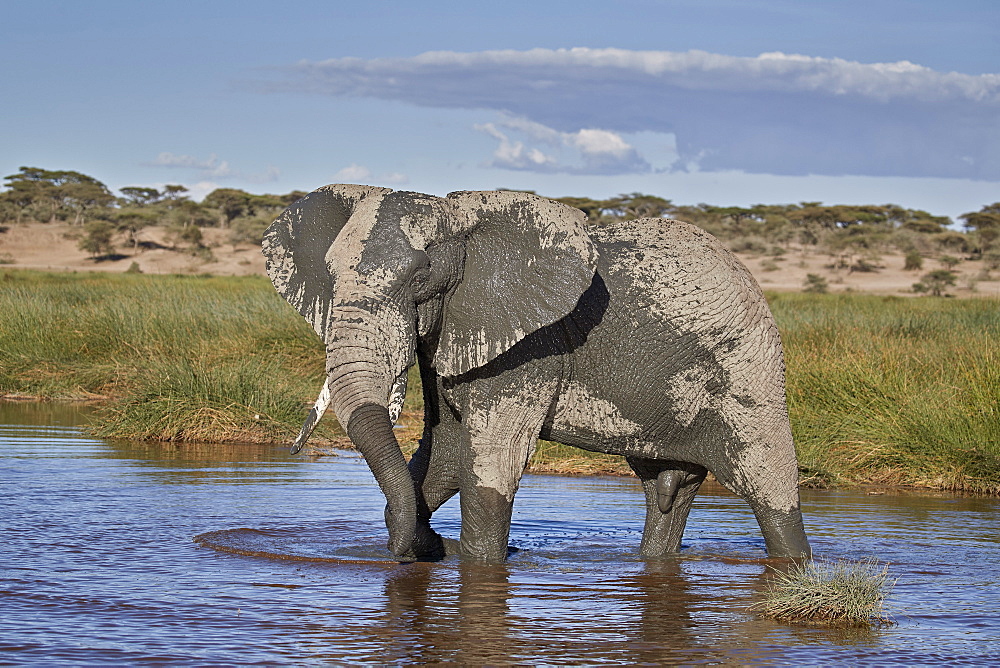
x=57 y=196
x=853 y=234
x=850 y=229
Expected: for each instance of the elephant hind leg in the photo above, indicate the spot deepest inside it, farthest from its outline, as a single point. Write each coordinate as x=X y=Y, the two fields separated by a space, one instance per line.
x=670 y=488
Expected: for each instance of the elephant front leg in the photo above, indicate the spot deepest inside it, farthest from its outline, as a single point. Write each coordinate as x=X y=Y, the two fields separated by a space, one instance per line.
x=500 y=436
x=670 y=488
x=489 y=483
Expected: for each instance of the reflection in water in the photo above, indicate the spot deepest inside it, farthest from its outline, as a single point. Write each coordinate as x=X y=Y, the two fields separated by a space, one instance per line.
x=290 y=567
x=471 y=626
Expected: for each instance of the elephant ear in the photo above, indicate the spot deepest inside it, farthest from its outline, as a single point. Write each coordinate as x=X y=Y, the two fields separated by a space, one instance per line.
x=295 y=246
x=527 y=262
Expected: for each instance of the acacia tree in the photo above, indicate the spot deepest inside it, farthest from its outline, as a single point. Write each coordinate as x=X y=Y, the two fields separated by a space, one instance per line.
x=594 y=208
x=985 y=225
x=637 y=205
x=231 y=203
x=139 y=196
x=99 y=238
x=81 y=193
x=936 y=282
x=58 y=193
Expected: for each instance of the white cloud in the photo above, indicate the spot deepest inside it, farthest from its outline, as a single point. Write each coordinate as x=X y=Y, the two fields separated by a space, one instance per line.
x=221 y=170
x=395 y=178
x=167 y=159
x=353 y=172
x=212 y=168
x=598 y=142
x=198 y=191
x=270 y=175
x=587 y=151
x=774 y=113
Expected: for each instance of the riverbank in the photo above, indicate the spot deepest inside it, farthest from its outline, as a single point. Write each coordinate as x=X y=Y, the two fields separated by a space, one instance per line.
x=882 y=390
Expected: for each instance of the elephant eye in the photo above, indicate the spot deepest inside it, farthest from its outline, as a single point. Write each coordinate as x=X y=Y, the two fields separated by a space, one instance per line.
x=421 y=276
x=420 y=268
x=421 y=284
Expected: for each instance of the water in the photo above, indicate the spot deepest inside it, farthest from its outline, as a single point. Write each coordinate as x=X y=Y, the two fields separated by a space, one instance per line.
x=99 y=564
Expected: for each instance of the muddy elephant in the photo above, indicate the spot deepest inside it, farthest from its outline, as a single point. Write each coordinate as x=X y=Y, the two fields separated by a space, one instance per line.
x=646 y=339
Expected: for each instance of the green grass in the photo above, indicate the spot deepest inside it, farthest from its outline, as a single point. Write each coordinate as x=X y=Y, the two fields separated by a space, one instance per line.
x=244 y=400
x=829 y=594
x=881 y=389
x=894 y=391
x=195 y=358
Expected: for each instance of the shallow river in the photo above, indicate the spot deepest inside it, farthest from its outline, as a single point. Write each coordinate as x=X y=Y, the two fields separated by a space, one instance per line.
x=99 y=564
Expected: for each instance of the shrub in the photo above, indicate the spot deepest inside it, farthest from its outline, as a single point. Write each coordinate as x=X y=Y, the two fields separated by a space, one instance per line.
x=97 y=240
x=936 y=282
x=248 y=231
x=815 y=284
x=991 y=260
x=184 y=234
x=914 y=261
x=949 y=261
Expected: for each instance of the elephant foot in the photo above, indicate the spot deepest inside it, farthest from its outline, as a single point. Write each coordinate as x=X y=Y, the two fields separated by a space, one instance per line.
x=452 y=547
x=784 y=534
x=429 y=545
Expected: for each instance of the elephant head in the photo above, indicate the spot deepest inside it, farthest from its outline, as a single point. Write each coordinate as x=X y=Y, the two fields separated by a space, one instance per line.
x=378 y=272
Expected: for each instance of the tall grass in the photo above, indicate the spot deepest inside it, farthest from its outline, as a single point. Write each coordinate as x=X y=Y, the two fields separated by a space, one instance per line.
x=244 y=400
x=881 y=389
x=894 y=391
x=180 y=357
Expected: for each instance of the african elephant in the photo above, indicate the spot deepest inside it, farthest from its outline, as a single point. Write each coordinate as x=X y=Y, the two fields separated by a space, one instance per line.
x=646 y=339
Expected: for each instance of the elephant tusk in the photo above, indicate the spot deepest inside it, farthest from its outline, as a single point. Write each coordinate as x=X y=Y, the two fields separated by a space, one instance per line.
x=315 y=413
x=396 y=396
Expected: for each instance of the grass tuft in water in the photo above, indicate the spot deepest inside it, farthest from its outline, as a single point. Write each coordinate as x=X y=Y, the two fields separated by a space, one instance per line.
x=843 y=593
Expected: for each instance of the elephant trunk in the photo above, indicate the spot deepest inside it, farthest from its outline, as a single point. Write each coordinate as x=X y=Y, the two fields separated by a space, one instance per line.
x=359 y=395
x=370 y=429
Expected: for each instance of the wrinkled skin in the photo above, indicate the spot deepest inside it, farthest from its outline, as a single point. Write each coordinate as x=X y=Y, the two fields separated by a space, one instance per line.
x=646 y=339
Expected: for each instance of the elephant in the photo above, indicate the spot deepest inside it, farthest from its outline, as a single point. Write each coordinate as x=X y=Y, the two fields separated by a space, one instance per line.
x=646 y=339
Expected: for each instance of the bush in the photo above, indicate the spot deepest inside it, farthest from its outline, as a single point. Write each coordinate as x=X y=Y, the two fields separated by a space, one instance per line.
x=914 y=261
x=949 y=261
x=189 y=235
x=98 y=238
x=248 y=231
x=936 y=282
x=815 y=284
x=991 y=260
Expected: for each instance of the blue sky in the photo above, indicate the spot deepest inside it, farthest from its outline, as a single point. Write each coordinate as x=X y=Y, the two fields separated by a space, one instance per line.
x=729 y=102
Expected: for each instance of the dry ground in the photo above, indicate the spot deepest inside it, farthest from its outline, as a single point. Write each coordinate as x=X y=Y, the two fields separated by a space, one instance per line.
x=53 y=247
